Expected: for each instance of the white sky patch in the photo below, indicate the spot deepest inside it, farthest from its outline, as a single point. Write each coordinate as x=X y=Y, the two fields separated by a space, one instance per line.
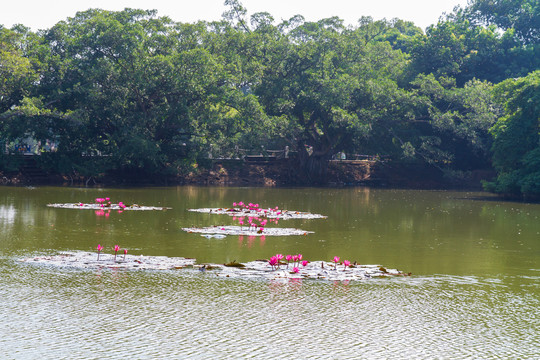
x=39 y=14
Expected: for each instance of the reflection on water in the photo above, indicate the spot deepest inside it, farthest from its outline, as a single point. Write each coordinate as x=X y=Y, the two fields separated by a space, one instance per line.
x=137 y=315
x=7 y=215
x=474 y=293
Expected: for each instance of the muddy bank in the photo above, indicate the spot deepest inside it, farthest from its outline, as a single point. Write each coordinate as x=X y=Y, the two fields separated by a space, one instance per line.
x=277 y=173
x=342 y=173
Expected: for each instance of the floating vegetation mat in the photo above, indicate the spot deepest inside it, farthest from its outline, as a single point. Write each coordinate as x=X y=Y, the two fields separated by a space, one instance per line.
x=86 y=260
x=245 y=230
x=121 y=207
x=267 y=213
x=255 y=269
x=313 y=270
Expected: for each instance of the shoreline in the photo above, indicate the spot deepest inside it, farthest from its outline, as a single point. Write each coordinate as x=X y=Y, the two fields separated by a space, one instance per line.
x=276 y=174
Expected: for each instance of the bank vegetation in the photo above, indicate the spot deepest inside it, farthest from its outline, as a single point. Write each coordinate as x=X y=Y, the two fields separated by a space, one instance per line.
x=132 y=93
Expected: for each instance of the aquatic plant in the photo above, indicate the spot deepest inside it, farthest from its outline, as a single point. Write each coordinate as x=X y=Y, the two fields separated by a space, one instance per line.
x=346 y=264
x=312 y=270
x=99 y=248
x=125 y=253
x=273 y=262
x=234 y=263
x=288 y=258
x=116 y=249
x=238 y=230
x=254 y=209
x=270 y=214
x=336 y=260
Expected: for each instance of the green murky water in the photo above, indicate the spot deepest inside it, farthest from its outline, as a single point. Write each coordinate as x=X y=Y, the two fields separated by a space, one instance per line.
x=474 y=293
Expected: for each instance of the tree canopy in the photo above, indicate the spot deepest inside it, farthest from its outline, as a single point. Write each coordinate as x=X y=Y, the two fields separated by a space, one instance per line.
x=516 y=146
x=133 y=92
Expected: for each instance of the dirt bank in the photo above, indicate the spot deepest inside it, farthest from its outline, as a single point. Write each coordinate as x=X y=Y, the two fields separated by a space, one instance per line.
x=279 y=173
x=275 y=173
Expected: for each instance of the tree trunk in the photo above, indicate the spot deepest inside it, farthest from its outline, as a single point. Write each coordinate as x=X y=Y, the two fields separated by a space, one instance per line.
x=313 y=167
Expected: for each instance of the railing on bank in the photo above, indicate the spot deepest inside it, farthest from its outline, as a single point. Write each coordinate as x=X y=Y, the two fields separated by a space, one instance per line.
x=243 y=155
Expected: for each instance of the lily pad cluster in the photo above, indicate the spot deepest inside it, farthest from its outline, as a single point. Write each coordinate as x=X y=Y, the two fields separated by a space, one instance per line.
x=88 y=260
x=252 y=220
x=260 y=269
x=219 y=232
x=103 y=206
x=323 y=270
x=254 y=210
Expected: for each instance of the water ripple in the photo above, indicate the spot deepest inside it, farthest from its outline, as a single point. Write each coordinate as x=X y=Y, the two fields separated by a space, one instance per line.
x=116 y=315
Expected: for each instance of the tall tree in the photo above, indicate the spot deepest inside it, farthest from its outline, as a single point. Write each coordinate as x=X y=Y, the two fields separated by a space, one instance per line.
x=516 y=146
x=19 y=68
x=133 y=81
x=313 y=85
x=522 y=16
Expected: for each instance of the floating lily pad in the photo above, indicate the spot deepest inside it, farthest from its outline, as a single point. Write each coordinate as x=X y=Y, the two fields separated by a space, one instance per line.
x=314 y=270
x=82 y=206
x=245 y=230
x=215 y=236
x=87 y=260
x=321 y=270
x=268 y=213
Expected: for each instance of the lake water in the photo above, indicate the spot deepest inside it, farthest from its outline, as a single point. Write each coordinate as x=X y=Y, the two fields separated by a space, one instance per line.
x=474 y=290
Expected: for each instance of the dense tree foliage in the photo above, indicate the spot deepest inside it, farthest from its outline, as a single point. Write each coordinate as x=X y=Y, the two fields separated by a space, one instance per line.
x=516 y=147
x=131 y=92
x=522 y=16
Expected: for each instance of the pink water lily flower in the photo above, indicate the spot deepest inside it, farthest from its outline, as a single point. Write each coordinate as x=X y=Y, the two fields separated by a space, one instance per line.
x=116 y=249
x=305 y=262
x=273 y=262
x=99 y=248
x=336 y=260
x=346 y=264
x=289 y=258
x=295 y=270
